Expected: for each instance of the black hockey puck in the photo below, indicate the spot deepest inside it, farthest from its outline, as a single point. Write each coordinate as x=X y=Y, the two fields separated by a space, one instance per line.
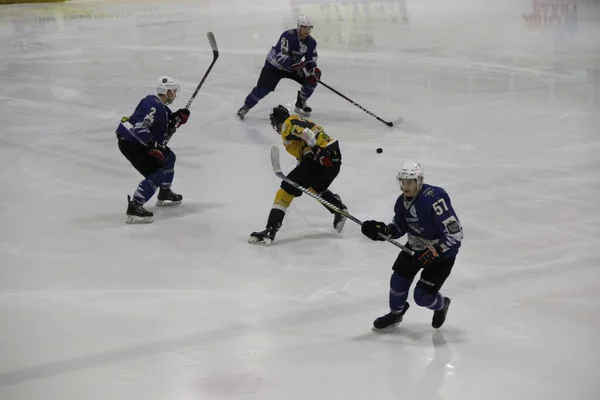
x=379 y=150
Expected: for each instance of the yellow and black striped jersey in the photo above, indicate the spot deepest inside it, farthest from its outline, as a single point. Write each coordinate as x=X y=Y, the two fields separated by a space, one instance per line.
x=295 y=141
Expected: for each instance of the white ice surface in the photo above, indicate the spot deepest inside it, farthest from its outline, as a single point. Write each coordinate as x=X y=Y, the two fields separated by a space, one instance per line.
x=502 y=109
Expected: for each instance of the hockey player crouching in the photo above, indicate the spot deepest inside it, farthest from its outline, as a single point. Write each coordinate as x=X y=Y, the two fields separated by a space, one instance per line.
x=425 y=214
x=319 y=160
x=293 y=57
x=143 y=138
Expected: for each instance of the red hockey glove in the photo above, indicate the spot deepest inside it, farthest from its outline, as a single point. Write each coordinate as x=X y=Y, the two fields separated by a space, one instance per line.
x=323 y=158
x=316 y=72
x=156 y=151
x=430 y=254
x=181 y=116
x=315 y=76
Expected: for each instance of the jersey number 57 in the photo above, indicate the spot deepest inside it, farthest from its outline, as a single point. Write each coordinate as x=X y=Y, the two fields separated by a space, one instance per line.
x=440 y=207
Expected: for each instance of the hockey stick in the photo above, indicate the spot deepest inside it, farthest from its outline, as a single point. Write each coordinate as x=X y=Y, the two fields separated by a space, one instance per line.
x=277 y=169
x=215 y=50
x=388 y=123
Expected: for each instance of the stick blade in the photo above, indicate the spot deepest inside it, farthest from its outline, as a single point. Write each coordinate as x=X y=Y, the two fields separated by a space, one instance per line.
x=275 y=159
x=213 y=42
x=397 y=122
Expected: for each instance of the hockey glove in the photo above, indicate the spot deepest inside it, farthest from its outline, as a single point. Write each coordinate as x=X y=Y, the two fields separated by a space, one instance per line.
x=430 y=254
x=322 y=157
x=156 y=151
x=181 y=116
x=372 y=229
x=314 y=77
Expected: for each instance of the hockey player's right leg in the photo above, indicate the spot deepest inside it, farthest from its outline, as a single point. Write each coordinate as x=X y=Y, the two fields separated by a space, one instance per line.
x=280 y=205
x=252 y=99
x=267 y=82
x=399 y=287
x=273 y=224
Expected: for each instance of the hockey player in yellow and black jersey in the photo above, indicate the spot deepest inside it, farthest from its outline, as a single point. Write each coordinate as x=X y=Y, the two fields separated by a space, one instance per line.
x=319 y=160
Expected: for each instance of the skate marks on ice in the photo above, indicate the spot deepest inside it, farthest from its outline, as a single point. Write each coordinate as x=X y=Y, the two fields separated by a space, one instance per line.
x=407 y=334
x=161 y=214
x=288 y=239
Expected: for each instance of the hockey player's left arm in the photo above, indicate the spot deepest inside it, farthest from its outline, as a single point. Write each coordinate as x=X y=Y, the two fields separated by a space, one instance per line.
x=310 y=58
x=448 y=225
x=325 y=148
x=446 y=220
x=176 y=119
x=312 y=72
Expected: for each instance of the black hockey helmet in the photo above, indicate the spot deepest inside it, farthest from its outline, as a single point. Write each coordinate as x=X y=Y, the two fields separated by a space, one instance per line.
x=278 y=116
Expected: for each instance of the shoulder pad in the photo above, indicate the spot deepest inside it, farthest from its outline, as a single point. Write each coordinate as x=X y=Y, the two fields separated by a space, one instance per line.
x=432 y=193
x=429 y=192
x=152 y=99
x=286 y=126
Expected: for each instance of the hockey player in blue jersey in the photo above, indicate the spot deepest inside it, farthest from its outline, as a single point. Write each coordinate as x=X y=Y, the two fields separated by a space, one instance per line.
x=143 y=139
x=424 y=213
x=293 y=57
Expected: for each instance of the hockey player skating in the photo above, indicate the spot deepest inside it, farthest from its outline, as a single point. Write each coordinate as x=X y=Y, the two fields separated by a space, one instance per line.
x=293 y=57
x=425 y=214
x=142 y=139
x=319 y=160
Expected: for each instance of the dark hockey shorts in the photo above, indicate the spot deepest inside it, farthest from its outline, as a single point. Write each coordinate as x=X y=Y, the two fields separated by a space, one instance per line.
x=432 y=278
x=138 y=156
x=270 y=76
x=311 y=174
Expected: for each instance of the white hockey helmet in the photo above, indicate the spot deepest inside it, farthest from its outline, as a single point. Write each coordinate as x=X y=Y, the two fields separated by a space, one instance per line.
x=166 y=83
x=305 y=20
x=411 y=171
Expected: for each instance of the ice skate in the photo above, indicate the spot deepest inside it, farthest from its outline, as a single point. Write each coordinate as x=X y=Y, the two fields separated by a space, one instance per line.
x=301 y=107
x=241 y=113
x=137 y=214
x=166 y=197
x=263 y=237
x=439 y=317
x=390 y=320
x=339 y=220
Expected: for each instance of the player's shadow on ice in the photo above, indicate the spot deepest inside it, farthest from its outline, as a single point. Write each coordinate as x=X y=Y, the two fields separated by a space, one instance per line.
x=431 y=380
x=184 y=210
x=309 y=236
x=415 y=334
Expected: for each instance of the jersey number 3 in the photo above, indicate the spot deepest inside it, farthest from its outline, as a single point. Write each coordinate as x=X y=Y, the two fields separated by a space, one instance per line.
x=440 y=207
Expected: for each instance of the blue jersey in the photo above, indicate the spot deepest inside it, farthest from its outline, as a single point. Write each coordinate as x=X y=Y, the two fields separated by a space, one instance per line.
x=149 y=122
x=290 y=50
x=428 y=218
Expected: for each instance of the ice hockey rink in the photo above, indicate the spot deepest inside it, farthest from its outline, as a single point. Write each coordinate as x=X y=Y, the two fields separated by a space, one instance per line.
x=501 y=102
